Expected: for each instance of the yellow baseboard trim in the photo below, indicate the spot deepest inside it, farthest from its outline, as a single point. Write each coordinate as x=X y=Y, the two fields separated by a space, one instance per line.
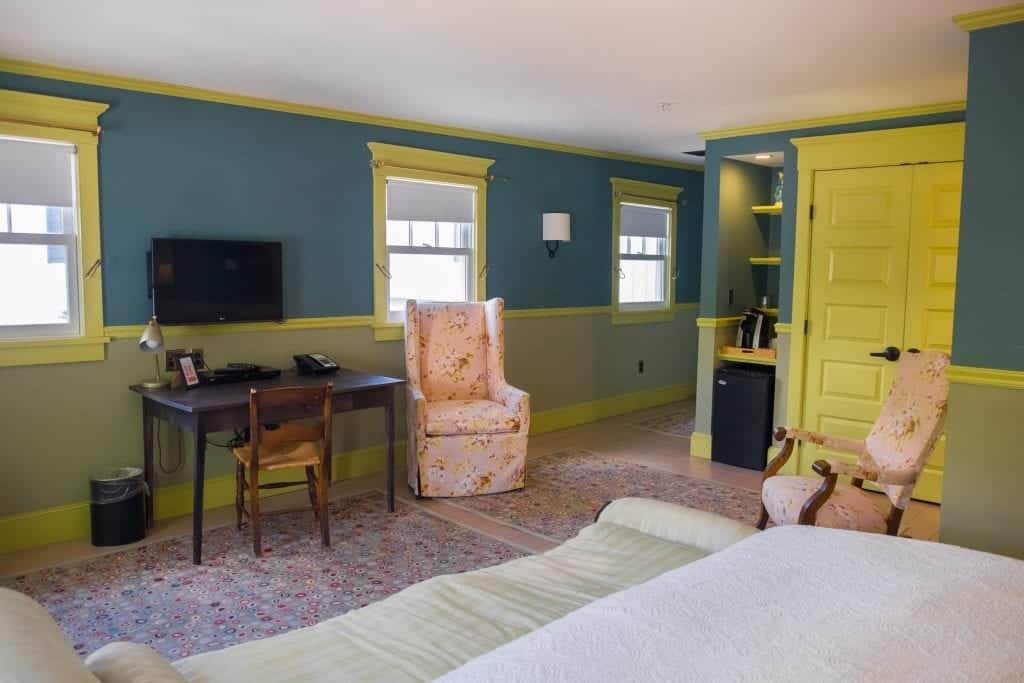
x=68 y=522
x=582 y=413
x=988 y=377
x=700 y=445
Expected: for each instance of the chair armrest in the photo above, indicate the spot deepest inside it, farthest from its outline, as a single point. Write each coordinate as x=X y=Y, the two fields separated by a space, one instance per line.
x=873 y=474
x=809 y=511
x=516 y=400
x=416 y=409
x=834 y=442
x=131 y=663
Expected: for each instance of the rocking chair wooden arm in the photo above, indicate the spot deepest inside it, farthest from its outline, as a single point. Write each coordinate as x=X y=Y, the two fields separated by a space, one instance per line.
x=809 y=511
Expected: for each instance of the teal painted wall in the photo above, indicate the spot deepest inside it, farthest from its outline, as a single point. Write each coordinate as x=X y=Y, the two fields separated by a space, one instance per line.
x=741 y=233
x=715 y=277
x=178 y=167
x=981 y=503
x=989 y=330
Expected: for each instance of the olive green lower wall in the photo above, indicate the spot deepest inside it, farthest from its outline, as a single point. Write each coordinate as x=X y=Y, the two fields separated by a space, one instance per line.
x=982 y=499
x=61 y=422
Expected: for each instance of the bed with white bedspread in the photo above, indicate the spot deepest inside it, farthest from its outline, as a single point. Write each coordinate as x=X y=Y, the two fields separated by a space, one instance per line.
x=793 y=603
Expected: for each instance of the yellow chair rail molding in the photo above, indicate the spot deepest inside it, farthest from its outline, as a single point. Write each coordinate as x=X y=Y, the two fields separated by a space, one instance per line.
x=988 y=377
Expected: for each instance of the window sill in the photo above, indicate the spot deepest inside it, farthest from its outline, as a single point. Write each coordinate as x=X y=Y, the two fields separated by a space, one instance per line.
x=51 y=351
x=388 y=331
x=639 y=317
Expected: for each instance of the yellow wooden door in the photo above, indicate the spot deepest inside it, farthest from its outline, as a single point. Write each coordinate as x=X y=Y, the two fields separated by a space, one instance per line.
x=931 y=281
x=860 y=237
x=883 y=273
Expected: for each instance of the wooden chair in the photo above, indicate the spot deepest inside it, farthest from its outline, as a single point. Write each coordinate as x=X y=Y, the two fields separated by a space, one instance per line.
x=892 y=456
x=293 y=444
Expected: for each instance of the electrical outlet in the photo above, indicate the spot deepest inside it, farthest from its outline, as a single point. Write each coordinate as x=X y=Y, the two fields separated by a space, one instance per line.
x=640 y=368
x=200 y=359
x=171 y=359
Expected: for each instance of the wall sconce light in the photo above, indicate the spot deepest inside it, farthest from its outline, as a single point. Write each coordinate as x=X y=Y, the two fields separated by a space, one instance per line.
x=556 y=229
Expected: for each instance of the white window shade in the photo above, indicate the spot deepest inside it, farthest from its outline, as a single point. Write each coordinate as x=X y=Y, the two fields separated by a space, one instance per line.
x=36 y=173
x=643 y=221
x=418 y=201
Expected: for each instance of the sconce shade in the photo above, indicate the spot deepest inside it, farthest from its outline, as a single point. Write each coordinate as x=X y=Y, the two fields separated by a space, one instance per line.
x=556 y=227
x=152 y=338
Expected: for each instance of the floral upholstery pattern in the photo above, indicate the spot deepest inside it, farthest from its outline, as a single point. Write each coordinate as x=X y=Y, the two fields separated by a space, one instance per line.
x=467 y=427
x=847 y=508
x=470 y=417
x=453 y=352
x=892 y=456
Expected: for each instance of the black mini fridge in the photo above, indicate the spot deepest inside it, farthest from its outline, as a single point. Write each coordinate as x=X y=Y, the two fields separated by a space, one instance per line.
x=741 y=415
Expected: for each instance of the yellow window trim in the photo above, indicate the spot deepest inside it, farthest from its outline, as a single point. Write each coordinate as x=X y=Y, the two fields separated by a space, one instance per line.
x=650 y=194
x=77 y=122
x=422 y=164
x=987 y=18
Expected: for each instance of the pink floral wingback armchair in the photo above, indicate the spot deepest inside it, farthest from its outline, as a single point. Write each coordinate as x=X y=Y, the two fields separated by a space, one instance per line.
x=467 y=428
x=892 y=456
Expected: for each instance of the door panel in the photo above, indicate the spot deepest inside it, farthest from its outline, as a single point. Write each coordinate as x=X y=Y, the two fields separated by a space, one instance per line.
x=859 y=242
x=931 y=281
x=883 y=273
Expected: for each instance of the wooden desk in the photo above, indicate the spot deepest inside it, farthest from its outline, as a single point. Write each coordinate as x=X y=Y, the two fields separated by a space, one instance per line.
x=226 y=407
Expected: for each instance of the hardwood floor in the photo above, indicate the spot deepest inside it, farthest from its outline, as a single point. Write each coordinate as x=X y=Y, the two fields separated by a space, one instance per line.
x=618 y=437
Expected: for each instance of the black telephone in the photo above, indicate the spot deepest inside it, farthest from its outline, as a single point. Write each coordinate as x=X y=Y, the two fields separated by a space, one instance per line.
x=314 y=364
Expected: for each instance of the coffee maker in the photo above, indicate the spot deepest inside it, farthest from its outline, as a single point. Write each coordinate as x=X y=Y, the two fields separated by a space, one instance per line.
x=756 y=330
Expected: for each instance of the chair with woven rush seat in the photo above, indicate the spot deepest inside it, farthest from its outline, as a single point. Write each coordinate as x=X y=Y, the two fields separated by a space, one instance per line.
x=892 y=456
x=304 y=443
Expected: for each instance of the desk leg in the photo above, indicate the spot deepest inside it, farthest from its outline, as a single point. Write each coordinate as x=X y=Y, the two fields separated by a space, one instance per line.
x=147 y=462
x=389 y=426
x=199 y=448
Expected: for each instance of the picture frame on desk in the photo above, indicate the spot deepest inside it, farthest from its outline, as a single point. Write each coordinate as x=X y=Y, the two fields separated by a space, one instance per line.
x=188 y=375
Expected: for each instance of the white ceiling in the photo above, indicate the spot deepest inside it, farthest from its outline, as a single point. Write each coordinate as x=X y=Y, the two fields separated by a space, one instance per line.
x=577 y=72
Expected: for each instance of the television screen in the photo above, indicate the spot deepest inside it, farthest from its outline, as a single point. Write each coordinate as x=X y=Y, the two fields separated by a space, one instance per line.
x=211 y=281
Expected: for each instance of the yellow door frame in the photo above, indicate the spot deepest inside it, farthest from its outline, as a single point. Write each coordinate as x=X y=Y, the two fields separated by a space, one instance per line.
x=916 y=145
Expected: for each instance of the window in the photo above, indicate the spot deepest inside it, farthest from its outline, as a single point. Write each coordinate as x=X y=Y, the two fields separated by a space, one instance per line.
x=38 y=231
x=429 y=243
x=644 y=229
x=51 y=307
x=429 y=230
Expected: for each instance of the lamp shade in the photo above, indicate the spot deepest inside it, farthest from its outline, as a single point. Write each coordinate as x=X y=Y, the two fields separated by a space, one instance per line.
x=556 y=227
x=152 y=338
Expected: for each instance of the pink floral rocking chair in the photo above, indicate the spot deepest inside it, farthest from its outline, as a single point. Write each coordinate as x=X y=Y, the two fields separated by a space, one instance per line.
x=892 y=456
x=467 y=427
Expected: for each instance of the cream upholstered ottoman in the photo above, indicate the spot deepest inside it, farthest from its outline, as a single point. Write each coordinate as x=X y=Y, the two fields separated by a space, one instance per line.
x=418 y=634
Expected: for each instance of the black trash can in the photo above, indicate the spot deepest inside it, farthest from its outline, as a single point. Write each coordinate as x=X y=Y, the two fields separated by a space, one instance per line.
x=118 y=506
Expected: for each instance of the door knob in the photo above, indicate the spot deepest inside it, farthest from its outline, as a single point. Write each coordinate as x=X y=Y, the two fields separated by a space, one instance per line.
x=891 y=354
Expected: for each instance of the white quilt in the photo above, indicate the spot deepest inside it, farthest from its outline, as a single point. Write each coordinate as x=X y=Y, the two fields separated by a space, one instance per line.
x=790 y=604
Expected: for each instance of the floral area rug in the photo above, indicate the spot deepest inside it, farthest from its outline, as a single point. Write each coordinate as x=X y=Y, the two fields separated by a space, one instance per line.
x=676 y=423
x=155 y=595
x=565 y=490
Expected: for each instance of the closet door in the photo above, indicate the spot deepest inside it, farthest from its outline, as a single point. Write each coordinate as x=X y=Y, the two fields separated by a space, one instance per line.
x=931 y=281
x=860 y=238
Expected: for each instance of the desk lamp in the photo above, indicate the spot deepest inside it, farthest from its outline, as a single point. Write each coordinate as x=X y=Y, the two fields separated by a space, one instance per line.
x=152 y=341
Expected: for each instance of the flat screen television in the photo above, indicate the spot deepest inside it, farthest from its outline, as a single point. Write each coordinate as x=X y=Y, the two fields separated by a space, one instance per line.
x=214 y=281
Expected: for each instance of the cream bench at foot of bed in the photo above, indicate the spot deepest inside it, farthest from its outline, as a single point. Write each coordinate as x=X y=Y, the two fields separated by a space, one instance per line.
x=437 y=625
